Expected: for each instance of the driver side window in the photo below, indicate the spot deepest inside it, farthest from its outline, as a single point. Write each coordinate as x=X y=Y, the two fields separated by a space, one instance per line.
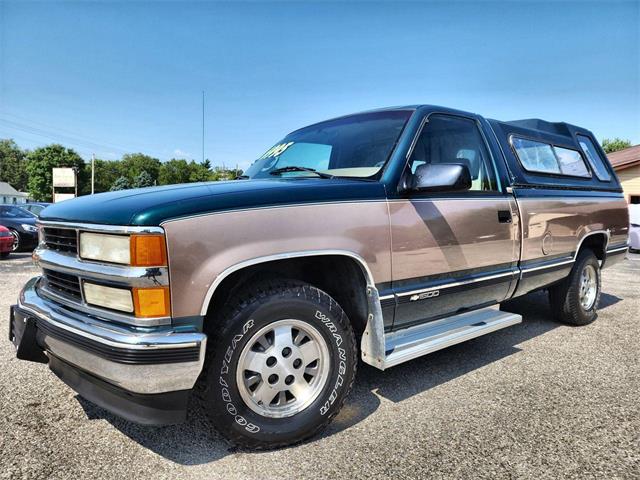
x=457 y=140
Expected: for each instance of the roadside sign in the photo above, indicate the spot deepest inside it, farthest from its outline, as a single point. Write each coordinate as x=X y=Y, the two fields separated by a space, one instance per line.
x=59 y=197
x=64 y=177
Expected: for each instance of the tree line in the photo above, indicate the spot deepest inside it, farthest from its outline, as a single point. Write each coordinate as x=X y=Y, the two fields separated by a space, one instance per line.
x=30 y=170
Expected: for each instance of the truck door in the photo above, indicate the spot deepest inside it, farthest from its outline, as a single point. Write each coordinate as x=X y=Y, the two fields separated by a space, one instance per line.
x=453 y=251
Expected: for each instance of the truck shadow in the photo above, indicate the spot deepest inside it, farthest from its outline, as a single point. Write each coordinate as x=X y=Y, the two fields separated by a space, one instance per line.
x=606 y=300
x=196 y=442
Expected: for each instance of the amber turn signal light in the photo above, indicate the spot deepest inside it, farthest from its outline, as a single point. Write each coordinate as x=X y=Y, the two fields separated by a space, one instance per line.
x=148 y=251
x=151 y=302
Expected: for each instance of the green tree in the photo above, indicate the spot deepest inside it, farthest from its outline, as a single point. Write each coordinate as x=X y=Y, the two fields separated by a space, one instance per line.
x=200 y=172
x=42 y=160
x=106 y=174
x=174 y=171
x=121 y=183
x=613 y=145
x=222 y=173
x=13 y=165
x=134 y=164
x=143 y=180
x=180 y=171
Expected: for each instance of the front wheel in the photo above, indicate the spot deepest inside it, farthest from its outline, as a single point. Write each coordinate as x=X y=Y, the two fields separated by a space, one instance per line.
x=575 y=299
x=281 y=366
x=17 y=240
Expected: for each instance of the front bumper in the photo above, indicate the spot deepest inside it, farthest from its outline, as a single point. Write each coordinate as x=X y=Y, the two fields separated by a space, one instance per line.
x=103 y=361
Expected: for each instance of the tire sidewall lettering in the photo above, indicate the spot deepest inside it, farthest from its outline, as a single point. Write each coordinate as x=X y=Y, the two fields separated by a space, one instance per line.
x=342 y=363
x=224 y=370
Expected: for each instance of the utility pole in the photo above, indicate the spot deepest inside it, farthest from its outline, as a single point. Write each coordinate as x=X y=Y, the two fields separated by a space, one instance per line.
x=93 y=171
x=203 y=126
x=75 y=181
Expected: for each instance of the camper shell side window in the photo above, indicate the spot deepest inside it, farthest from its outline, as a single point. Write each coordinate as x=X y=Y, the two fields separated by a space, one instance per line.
x=541 y=157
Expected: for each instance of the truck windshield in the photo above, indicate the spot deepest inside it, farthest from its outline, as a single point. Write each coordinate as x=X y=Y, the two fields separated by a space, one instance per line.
x=352 y=146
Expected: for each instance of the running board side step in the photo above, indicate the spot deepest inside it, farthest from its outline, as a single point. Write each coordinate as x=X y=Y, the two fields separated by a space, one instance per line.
x=409 y=343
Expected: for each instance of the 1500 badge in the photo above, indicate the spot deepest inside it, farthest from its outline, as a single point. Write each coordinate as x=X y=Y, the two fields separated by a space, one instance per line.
x=422 y=296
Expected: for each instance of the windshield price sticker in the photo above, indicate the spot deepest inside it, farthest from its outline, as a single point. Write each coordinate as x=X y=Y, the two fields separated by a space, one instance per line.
x=276 y=150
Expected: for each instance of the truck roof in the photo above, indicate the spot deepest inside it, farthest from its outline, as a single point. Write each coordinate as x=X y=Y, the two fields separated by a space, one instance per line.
x=557 y=128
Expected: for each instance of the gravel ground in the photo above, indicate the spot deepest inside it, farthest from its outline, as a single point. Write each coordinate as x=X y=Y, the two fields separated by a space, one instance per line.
x=537 y=400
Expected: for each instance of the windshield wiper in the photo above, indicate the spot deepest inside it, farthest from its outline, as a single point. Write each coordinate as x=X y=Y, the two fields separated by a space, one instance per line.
x=294 y=168
x=242 y=177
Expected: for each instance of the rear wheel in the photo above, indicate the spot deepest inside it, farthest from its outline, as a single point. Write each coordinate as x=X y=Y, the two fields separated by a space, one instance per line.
x=575 y=299
x=280 y=367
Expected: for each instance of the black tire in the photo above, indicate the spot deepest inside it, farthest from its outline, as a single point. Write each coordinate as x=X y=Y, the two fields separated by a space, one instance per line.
x=564 y=297
x=4 y=255
x=17 y=239
x=241 y=320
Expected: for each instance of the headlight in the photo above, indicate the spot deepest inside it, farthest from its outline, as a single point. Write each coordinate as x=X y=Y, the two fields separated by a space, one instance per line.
x=29 y=228
x=137 y=250
x=107 y=248
x=108 y=297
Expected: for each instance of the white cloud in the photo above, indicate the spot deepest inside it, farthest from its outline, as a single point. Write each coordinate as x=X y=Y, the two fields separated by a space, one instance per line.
x=179 y=153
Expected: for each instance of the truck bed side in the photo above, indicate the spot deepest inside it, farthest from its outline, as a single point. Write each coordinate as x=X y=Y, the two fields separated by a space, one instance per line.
x=559 y=213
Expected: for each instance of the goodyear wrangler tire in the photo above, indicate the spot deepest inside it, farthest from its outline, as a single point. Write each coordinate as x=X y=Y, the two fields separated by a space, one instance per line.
x=574 y=301
x=281 y=366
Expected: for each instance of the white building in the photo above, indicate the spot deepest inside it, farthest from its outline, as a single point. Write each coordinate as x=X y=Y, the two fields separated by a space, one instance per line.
x=8 y=194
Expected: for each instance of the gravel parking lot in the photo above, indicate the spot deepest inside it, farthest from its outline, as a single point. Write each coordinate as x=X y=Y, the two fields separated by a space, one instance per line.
x=535 y=400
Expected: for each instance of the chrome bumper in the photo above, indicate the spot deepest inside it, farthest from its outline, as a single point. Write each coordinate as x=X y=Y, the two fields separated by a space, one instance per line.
x=144 y=362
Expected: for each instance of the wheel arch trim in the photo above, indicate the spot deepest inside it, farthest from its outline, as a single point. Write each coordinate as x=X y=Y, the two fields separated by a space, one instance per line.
x=607 y=235
x=284 y=256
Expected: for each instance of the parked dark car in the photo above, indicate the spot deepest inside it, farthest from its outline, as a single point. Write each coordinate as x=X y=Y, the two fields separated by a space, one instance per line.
x=35 y=207
x=22 y=225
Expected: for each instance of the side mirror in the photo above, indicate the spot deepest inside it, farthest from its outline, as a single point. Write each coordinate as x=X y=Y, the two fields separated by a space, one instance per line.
x=440 y=177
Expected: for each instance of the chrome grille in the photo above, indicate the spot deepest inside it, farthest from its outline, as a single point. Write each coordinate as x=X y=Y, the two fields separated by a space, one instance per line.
x=63 y=284
x=61 y=239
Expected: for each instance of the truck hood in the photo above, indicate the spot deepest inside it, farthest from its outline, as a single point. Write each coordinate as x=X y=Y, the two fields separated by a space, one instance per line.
x=154 y=205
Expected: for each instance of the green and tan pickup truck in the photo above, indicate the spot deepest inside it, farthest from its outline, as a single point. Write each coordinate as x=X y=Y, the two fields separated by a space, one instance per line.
x=379 y=236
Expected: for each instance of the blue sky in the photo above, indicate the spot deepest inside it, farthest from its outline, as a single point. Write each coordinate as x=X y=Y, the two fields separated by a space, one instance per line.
x=112 y=78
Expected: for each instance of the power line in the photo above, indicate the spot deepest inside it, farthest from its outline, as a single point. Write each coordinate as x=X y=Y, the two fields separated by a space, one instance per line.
x=72 y=140
x=58 y=130
x=58 y=137
x=46 y=126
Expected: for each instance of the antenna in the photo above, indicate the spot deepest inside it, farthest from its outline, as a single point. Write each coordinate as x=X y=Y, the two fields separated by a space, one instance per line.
x=203 y=126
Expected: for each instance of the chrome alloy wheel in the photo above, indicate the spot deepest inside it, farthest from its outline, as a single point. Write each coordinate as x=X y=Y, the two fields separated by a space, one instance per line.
x=588 y=287
x=283 y=368
x=16 y=241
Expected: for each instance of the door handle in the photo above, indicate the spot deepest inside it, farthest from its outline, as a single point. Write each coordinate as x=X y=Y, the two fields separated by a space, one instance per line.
x=504 y=216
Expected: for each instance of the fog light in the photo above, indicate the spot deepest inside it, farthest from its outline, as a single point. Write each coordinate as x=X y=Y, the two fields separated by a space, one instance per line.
x=108 y=297
x=151 y=302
